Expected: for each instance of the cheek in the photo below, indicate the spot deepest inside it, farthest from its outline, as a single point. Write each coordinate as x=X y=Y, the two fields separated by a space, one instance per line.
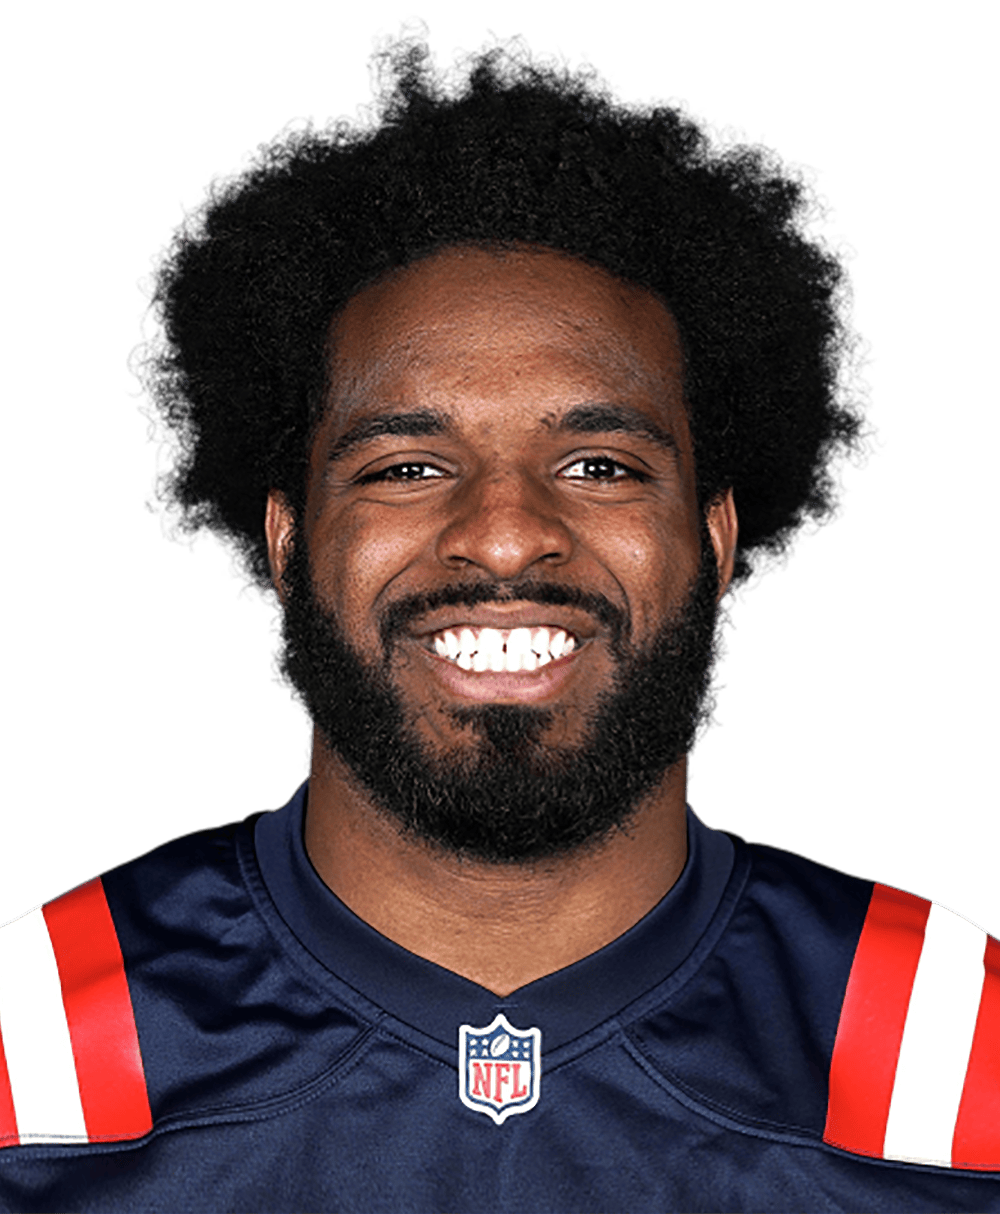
x=655 y=565
x=356 y=555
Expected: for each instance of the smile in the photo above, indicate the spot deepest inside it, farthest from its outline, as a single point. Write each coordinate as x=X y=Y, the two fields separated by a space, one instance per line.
x=502 y=649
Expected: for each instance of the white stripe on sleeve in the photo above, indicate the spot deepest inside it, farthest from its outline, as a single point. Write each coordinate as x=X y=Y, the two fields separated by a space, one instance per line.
x=937 y=1038
x=36 y=1036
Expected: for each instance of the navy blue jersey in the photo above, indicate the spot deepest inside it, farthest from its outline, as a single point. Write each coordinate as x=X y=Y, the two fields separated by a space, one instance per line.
x=210 y=1028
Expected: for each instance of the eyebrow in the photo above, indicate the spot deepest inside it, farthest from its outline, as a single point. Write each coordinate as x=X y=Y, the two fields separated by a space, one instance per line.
x=581 y=419
x=616 y=419
x=413 y=424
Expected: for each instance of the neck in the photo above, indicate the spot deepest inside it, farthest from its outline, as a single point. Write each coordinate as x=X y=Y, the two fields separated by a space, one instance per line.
x=500 y=926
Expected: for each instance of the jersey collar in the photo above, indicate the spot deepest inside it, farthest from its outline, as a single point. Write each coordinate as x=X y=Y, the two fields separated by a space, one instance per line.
x=565 y=1004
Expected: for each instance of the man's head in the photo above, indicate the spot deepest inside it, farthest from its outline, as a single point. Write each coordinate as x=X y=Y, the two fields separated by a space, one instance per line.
x=503 y=362
x=504 y=467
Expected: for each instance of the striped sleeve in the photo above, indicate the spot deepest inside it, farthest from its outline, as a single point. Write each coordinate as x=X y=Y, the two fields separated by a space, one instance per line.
x=70 y=1066
x=915 y=1072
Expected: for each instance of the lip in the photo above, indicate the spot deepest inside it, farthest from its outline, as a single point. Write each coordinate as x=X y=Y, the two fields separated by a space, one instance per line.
x=522 y=686
x=504 y=616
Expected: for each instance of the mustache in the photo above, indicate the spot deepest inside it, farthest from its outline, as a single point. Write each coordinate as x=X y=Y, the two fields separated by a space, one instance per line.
x=399 y=615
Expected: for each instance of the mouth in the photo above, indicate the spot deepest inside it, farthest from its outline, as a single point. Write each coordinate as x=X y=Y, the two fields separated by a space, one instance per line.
x=511 y=650
x=507 y=652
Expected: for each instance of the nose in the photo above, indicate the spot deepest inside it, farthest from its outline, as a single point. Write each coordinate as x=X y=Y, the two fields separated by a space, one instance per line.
x=504 y=523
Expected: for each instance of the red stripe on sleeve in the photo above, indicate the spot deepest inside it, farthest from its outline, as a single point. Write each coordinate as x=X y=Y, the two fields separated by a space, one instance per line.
x=865 y=1053
x=8 y=1121
x=99 y=1013
x=977 y=1129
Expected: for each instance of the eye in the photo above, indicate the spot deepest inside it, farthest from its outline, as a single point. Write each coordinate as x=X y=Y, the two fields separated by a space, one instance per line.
x=412 y=470
x=600 y=468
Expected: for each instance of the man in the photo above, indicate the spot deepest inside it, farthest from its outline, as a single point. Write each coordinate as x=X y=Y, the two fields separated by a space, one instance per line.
x=501 y=397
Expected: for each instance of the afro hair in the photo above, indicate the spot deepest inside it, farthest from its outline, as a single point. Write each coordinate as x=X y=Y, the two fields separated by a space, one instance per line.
x=504 y=145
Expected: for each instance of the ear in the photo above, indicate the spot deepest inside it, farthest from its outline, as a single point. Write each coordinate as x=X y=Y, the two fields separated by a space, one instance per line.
x=723 y=527
x=279 y=528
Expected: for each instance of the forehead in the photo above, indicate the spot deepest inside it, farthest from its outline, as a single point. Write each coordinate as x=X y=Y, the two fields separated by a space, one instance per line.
x=500 y=325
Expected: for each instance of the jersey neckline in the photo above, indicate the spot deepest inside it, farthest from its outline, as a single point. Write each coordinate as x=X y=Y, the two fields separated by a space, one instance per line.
x=564 y=1005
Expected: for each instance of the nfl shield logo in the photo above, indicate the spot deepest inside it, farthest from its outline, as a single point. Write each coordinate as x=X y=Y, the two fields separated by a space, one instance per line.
x=499 y=1068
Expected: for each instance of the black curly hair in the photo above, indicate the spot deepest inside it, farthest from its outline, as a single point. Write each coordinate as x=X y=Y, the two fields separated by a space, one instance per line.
x=516 y=154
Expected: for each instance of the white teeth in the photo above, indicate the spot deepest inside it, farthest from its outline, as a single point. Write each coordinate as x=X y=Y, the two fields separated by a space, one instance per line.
x=519 y=641
x=493 y=649
x=518 y=648
x=540 y=641
x=491 y=643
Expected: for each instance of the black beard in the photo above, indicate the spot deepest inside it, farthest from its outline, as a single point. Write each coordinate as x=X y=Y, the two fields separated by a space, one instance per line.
x=511 y=798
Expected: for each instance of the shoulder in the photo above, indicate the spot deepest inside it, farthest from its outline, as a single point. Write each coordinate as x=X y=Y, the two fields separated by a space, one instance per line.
x=154 y=992
x=844 y=1012
x=71 y=1068
x=915 y=1068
